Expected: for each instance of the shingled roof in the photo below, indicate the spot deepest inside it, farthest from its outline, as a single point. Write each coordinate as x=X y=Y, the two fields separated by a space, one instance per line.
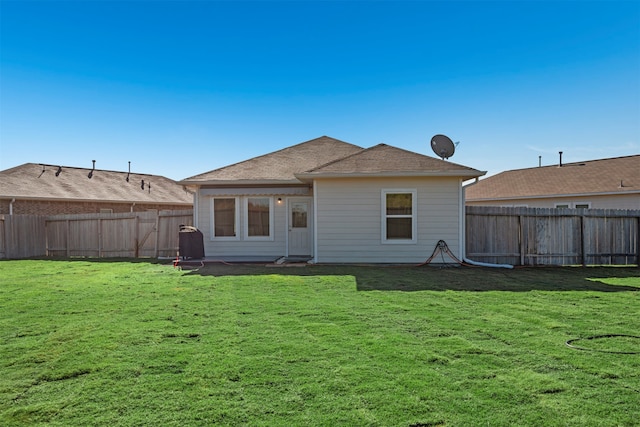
x=618 y=175
x=279 y=166
x=327 y=156
x=385 y=160
x=34 y=181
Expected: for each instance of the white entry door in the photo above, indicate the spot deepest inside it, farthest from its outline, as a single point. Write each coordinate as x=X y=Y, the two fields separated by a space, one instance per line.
x=299 y=223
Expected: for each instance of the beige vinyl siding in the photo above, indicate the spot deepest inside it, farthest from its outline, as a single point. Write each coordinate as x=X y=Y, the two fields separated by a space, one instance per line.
x=243 y=246
x=349 y=219
x=614 y=201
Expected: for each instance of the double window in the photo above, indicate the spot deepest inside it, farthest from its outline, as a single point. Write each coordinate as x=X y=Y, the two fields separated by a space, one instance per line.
x=399 y=216
x=257 y=218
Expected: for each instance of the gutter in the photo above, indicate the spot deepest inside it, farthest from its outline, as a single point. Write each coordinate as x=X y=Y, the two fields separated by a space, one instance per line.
x=239 y=182
x=390 y=174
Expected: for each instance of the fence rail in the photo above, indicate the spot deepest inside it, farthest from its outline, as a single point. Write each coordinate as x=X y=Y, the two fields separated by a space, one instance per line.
x=537 y=236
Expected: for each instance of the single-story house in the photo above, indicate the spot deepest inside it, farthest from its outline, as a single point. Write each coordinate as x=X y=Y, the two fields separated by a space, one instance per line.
x=40 y=189
x=612 y=183
x=332 y=202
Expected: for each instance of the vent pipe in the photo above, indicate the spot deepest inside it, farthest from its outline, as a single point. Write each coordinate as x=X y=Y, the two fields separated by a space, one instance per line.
x=560 y=165
x=539 y=161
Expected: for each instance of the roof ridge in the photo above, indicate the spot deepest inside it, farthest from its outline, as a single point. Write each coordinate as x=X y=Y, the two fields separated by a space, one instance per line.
x=83 y=169
x=614 y=175
x=338 y=160
x=576 y=163
x=424 y=155
x=271 y=154
x=382 y=149
x=382 y=144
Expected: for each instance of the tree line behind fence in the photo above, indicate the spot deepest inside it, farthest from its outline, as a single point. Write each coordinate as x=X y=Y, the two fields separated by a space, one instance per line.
x=517 y=236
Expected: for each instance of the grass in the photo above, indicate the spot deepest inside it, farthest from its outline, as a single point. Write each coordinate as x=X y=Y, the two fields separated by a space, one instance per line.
x=141 y=343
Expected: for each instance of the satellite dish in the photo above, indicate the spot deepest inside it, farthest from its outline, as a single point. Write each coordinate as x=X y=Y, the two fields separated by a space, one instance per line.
x=443 y=146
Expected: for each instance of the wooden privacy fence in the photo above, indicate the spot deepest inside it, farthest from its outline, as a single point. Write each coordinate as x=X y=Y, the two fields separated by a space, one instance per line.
x=132 y=235
x=517 y=236
x=22 y=236
x=537 y=236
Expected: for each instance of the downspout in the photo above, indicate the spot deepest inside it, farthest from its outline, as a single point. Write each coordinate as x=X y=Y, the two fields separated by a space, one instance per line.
x=463 y=249
x=195 y=193
x=314 y=260
x=132 y=206
x=11 y=206
x=463 y=221
x=196 y=204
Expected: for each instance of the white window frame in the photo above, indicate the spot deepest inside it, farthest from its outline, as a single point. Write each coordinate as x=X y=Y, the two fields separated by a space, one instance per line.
x=413 y=216
x=245 y=223
x=562 y=205
x=575 y=205
x=236 y=219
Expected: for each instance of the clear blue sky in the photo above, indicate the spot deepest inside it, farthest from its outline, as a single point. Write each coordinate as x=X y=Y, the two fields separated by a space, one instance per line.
x=183 y=87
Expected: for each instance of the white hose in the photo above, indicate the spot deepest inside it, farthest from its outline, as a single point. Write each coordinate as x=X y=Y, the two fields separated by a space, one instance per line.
x=486 y=264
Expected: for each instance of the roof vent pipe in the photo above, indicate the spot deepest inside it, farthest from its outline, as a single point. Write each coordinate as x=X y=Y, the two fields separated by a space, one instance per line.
x=560 y=165
x=539 y=161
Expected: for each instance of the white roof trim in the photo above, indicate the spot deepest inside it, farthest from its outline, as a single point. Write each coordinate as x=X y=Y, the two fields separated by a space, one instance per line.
x=256 y=191
x=228 y=182
x=313 y=175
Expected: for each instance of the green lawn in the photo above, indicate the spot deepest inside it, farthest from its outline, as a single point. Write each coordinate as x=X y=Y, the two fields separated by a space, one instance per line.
x=123 y=343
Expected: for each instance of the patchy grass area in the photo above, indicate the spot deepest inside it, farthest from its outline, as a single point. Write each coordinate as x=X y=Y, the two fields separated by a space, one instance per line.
x=137 y=343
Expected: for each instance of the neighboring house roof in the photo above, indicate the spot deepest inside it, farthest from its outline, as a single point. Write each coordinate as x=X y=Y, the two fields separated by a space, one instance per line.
x=326 y=157
x=385 y=160
x=34 y=181
x=279 y=166
x=619 y=175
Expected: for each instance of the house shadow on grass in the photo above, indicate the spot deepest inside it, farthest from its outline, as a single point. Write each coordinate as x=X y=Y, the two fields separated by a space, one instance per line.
x=432 y=278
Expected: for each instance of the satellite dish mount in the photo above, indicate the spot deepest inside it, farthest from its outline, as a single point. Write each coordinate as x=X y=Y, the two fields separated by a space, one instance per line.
x=442 y=146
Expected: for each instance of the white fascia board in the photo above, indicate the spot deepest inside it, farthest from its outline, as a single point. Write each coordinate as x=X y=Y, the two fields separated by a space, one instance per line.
x=244 y=182
x=312 y=176
x=298 y=190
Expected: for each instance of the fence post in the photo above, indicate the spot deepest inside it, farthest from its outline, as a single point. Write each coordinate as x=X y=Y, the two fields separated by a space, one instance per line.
x=46 y=237
x=99 y=237
x=583 y=243
x=155 y=249
x=68 y=232
x=3 y=238
x=136 y=236
x=521 y=237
